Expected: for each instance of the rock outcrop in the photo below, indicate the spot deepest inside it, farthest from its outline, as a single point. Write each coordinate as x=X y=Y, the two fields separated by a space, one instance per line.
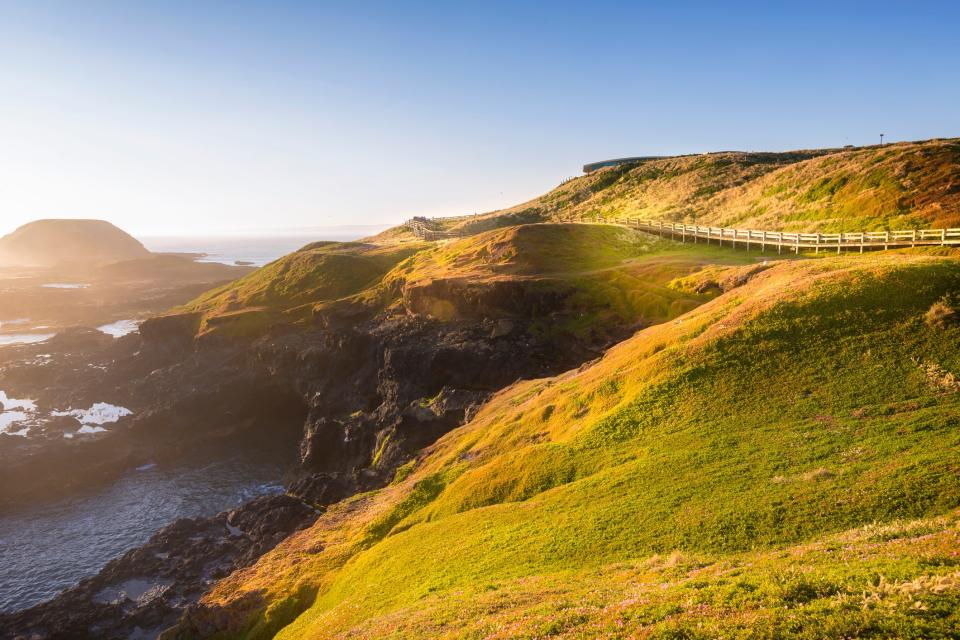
x=359 y=384
x=145 y=591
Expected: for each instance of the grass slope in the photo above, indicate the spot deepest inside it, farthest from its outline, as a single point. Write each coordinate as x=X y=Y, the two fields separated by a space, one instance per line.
x=596 y=276
x=893 y=580
x=898 y=186
x=739 y=440
x=319 y=272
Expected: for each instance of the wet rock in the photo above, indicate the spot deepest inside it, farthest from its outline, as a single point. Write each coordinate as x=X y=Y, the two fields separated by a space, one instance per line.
x=501 y=328
x=322 y=489
x=360 y=391
x=146 y=590
x=172 y=331
x=78 y=339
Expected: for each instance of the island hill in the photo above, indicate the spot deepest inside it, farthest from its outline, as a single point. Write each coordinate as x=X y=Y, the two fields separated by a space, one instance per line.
x=539 y=428
x=49 y=243
x=108 y=275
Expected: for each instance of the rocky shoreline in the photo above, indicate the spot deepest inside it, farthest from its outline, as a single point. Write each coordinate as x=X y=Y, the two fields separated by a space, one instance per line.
x=357 y=392
x=146 y=590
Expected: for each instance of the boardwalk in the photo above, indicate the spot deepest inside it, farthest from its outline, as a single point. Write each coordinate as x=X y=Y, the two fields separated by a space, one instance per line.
x=752 y=238
x=756 y=239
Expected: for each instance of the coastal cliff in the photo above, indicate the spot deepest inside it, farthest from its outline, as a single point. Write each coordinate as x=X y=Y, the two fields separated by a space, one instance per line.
x=534 y=405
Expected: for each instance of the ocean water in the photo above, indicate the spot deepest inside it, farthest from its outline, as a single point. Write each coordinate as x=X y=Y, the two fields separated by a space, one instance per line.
x=49 y=547
x=120 y=328
x=258 y=250
x=23 y=338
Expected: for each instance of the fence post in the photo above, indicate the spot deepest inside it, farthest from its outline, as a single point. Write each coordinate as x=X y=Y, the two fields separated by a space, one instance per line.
x=943 y=237
x=913 y=238
x=886 y=239
x=840 y=242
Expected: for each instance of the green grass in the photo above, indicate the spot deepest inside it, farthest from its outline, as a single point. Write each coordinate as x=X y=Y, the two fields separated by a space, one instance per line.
x=590 y=279
x=900 y=186
x=318 y=272
x=778 y=457
x=899 y=580
x=786 y=411
x=536 y=249
x=587 y=278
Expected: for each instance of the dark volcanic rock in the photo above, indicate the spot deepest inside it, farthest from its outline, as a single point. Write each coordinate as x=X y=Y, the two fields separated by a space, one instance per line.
x=322 y=489
x=359 y=390
x=145 y=591
x=79 y=339
x=171 y=331
x=181 y=401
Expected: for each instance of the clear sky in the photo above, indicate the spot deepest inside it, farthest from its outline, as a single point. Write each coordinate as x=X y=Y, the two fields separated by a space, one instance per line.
x=199 y=117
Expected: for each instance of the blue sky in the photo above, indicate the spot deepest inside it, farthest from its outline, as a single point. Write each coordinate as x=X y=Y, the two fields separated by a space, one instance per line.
x=186 y=118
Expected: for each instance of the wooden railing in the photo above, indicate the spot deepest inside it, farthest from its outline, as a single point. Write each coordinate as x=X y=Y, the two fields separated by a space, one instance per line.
x=753 y=238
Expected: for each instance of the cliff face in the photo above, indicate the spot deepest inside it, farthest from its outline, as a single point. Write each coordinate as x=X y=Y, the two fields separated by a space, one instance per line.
x=751 y=403
x=752 y=466
x=357 y=372
x=48 y=243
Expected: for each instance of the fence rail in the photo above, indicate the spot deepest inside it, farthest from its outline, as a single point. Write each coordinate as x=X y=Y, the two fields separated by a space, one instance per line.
x=749 y=238
x=752 y=238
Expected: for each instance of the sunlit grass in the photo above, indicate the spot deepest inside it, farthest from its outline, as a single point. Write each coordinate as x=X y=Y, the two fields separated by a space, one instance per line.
x=785 y=411
x=899 y=186
x=589 y=279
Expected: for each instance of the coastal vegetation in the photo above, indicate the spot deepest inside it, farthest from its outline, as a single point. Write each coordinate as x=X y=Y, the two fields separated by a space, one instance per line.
x=781 y=459
x=898 y=186
x=539 y=423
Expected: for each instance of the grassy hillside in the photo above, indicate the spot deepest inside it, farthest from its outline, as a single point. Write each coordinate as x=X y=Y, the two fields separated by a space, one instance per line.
x=897 y=186
x=892 y=580
x=714 y=474
x=597 y=275
x=776 y=454
x=905 y=185
x=319 y=272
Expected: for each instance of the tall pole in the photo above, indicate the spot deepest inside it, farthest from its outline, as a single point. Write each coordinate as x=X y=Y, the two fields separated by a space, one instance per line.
x=881 y=139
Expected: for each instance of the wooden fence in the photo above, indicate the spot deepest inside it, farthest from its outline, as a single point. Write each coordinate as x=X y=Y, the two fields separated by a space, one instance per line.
x=752 y=238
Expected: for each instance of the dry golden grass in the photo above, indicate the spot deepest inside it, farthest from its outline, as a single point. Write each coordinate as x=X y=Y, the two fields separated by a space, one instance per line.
x=748 y=434
x=898 y=186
